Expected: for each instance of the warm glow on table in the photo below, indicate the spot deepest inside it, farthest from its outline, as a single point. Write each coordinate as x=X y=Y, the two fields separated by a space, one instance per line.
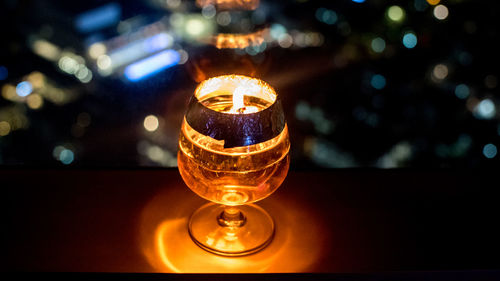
x=168 y=248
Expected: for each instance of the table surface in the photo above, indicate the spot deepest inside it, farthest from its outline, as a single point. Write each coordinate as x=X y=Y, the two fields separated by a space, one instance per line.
x=331 y=221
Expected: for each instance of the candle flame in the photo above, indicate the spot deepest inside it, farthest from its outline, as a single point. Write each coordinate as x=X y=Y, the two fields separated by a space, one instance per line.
x=238 y=99
x=240 y=86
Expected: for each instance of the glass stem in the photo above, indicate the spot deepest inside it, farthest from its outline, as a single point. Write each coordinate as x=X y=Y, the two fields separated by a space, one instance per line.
x=231 y=217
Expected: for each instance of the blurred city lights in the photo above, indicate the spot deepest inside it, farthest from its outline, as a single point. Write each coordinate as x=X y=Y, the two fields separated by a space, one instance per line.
x=34 y=101
x=440 y=12
x=46 y=50
x=462 y=91
x=4 y=128
x=194 y=27
x=135 y=50
x=84 y=74
x=378 y=81
x=96 y=50
x=321 y=123
x=173 y=3
x=285 y=41
x=395 y=13
x=24 y=88
x=485 y=109
x=66 y=156
x=327 y=154
x=397 y=156
x=151 y=123
x=490 y=151
x=410 y=40
x=141 y=49
x=277 y=30
x=326 y=16
x=440 y=71
x=68 y=64
x=230 y=4
x=208 y=11
x=239 y=41
x=378 y=45
x=151 y=65
x=36 y=79
x=98 y=18
x=3 y=73
x=223 y=18
x=184 y=56
x=63 y=154
x=176 y=19
x=433 y=2
x=104 y=62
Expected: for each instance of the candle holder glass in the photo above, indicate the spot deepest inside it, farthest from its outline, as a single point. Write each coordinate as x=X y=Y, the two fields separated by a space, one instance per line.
x=233 y=151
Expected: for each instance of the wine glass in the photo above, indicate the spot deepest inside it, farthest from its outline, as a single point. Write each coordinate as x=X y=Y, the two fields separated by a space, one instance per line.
x=233 y=151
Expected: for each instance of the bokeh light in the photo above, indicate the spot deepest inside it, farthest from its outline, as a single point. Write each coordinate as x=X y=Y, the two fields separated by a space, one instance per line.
x=24 y=88
x=395 y=13
x=223 y=18
x=63 y=154
x=462 y=91
x=67 y=156
x=194 y=27
x=326 y=16
x=410 y=40
x=208 y=11
x=378 y=82
x=53 y=77
x=104 y=62
x=378 y=45
x=441 y=12
x=277 y=30
x=151 y=123
x=4 y=128
x=490 y=151
x=34 y=101
x=96 y=50
x=485 y=109
x=440 y=71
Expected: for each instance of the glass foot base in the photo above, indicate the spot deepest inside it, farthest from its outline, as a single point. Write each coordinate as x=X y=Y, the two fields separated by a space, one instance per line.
x=254 y=234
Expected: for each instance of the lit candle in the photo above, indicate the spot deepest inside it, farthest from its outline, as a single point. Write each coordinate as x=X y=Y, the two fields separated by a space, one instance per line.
x=231 y=108
x=239 y=102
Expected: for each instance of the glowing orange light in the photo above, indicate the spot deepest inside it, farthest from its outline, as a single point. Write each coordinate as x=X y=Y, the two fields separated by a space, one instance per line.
x=230 y=4
x=433 y=2
x=233 y=161
x=165 y=243
x=239 y=41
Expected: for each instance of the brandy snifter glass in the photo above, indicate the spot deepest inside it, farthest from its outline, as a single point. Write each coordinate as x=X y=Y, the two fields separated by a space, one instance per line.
x=233 y=151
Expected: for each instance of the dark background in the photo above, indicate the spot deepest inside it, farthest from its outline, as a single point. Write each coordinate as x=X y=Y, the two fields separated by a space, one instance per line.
x=349 y=102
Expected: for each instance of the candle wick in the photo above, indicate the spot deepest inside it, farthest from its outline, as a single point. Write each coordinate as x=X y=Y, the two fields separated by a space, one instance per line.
x=241 y=110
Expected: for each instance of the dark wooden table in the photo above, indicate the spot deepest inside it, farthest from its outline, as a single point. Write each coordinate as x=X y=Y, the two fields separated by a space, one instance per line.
x=346 y=221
